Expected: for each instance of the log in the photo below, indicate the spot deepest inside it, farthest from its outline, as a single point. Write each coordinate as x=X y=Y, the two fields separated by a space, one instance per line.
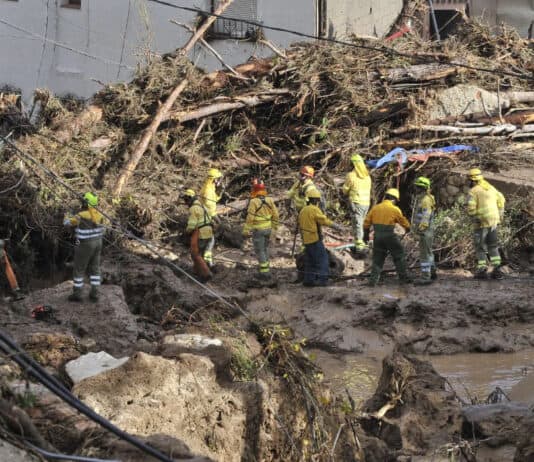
x=141 y=147
x=240 y=205
x=485 y=130
x=227 y=104
x=162 y=112
x=419 y=73
x=519 y=117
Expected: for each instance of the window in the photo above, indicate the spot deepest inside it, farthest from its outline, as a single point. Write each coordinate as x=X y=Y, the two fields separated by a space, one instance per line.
x=74 y=4
x=239 y=9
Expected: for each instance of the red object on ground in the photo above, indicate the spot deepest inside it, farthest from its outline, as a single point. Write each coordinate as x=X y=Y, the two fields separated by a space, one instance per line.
x=399 y=33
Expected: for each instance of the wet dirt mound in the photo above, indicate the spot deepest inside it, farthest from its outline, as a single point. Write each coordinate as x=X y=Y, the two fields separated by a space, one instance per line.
x=411 y=408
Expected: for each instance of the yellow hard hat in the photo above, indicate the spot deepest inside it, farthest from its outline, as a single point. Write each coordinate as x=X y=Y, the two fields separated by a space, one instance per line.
x=214 y=173
x=356 y=158
x=314 y=194
x=307 y=171
x=189 y=193
x=393 y=192
x=475 y=174
x=91 y=199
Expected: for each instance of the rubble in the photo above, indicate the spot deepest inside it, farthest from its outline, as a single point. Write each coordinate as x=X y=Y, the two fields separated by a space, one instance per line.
x=92 y=364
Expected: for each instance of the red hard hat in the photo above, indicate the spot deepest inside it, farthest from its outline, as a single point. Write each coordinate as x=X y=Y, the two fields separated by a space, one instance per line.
x=258 y=185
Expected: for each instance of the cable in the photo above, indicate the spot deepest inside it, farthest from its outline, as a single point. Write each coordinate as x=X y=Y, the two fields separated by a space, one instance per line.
x=381 y=49
x=56 y=456
x=11 y=349
x=117 y=228
x=66 y=47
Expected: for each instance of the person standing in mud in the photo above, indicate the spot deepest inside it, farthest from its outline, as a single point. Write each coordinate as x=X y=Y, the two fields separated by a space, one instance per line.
x=303 y=187
x=210 y=194
x=423 y=227
x=89 y=235
x=383 y=217
x=358 y=189
x=485 y=206
x=316 y=261
x=199 y=227
x=261 y=223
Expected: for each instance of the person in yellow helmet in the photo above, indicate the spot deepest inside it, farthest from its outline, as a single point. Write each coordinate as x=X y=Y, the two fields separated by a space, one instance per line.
x=485 y=206
x=200 y=229
x=210 y=192
x=358 y=189
x=301 y=189
x=423 y=226
x=262 y=220
x=89 y=233
x=316 y=261
x=383 y=217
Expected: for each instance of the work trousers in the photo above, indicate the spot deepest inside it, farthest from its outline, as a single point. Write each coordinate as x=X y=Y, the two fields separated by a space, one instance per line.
x=316 y=264
x=426 y=256
x=386 y=242
x=205 y=247
x=486 y=243
x=260 y=241
x=357 y=218
x=87 y=260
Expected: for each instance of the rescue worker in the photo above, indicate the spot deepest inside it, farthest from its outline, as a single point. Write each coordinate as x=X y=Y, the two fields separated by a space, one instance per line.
x=423 y=227
x=383 y=217
x=261 y=222
x=485 y=206
x=358 y=189
x=10 y=274
x=301 y=189
x=316 y=261
x=211 y=193
x=199 y=226
x=89 y=233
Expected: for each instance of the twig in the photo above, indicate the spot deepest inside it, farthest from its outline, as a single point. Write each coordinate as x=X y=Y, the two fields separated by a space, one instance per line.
x=270 y=45
x=332 y=452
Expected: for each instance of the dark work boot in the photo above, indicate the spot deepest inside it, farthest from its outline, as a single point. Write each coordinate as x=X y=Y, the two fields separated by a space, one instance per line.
x=93 y=294
x=481 y=273
x=424 y=280
x=76 y=295
x=497 y=273
x=433 y=273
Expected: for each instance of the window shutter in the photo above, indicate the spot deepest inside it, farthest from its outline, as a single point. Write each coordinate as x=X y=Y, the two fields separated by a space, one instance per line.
x=239 y=9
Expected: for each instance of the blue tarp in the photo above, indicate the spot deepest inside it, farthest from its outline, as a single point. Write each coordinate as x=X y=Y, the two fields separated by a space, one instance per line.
x=392 y=156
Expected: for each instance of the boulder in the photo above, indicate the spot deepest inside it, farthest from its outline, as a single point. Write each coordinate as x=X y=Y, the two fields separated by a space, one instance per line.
x=92 y=364
x=52 y=349
x=11 y=453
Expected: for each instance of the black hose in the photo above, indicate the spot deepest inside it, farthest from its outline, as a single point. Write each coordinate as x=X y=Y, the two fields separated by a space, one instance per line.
x=37 y=371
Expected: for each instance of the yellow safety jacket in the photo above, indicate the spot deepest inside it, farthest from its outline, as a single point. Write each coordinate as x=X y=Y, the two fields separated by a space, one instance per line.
x=89 y=224
x=261 y=214
x=310 y=219
x=299 y=192
x=485 y=204
x=358 y=188
x=425 y=206
x=209 y=197
x=200 y=219
x=386 y=214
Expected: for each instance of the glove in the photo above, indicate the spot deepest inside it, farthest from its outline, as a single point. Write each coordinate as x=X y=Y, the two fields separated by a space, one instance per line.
x=422 y=227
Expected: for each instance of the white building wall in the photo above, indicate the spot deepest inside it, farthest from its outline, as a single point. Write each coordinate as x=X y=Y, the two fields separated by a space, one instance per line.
x=77 y=50
x=516 y=13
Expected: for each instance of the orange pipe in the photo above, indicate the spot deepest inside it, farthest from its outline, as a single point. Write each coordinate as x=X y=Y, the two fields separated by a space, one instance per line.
x=10 y=274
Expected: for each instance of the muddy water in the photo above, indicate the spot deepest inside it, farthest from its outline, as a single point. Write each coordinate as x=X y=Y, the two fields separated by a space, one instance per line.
x=472 y=375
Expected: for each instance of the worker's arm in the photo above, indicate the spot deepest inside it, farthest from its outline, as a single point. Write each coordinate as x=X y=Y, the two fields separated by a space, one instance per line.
x=195 y=215
x=402 y=220
x=500 y=203
x=71 y=221
x=251 y=212
x=472 y=206
x=293 y=190
x=275 y=218
x=322 y=219
x=347 y=185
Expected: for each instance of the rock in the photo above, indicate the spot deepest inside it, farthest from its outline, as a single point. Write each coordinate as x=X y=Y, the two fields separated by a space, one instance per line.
x=11 y=453
x=174 y=345
x=462 y=100
x=52 y=349
x=151 y=395
x=497 y=424
x=92 y=364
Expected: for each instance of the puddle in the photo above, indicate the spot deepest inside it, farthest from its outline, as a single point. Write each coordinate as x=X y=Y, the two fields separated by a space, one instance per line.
x=471 y=375
x=478 y=374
